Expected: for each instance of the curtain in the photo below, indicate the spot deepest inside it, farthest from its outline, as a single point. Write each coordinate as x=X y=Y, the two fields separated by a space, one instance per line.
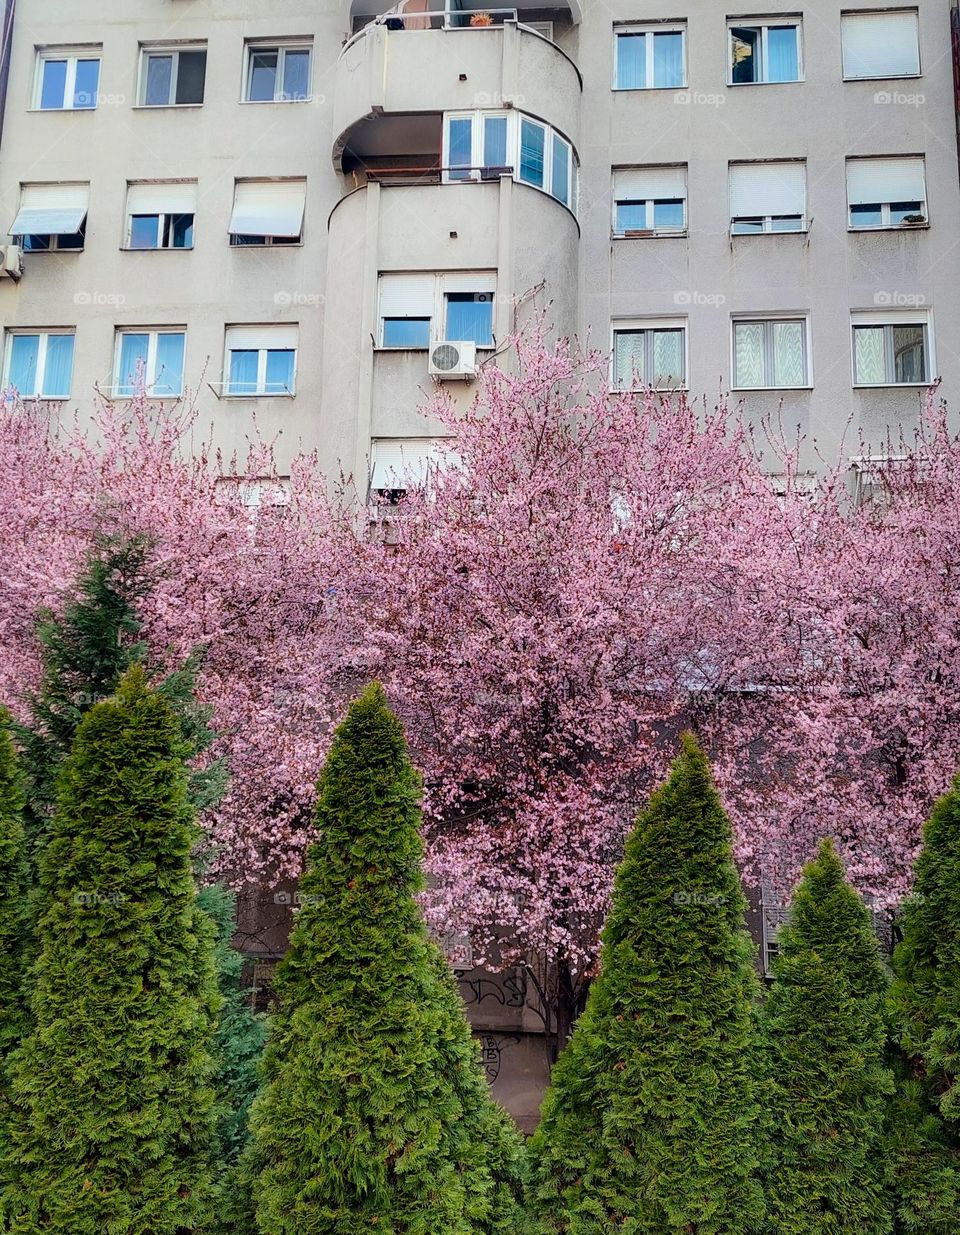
x=495 y=141
x=908 y=357
x=406 y=332
x=280 y=371
x=296 y=75
x=24 y=354
x=668 y=357
x=748 y=354
x=668 y=59
x=868 y=355
x=789 y=367
x=133 y=362
x=159 y=77
x=784 y=62
x=243 y=372
x=58 y=370
x=631 y=61
x=169 y=376
x=460 y=153
x=628 y=371
x=470 y=320
x=631 y=216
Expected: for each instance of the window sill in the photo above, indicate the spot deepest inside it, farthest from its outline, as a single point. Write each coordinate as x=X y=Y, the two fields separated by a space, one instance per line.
x=165 y=106
x=794 y=81
x=651 y=234
x=45 y=398
x=481 y=347
x=889 y=227
x=61 y=111
x=49 y=252
x=275 y=102
x=261 y=394
x=893 y=385
x=281 y=247
x=646 y=89
x=642 y=390
x=767 y=235
x=746 y=390
x=887 y=77
x=158 y=249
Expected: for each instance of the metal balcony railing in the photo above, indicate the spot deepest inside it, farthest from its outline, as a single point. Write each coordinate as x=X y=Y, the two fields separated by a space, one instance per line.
x=435 y=175
x=422 y=15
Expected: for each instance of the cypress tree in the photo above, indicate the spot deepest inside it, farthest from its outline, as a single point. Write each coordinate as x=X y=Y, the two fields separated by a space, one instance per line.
x=14 y=883
x=375 y=1114
x=925 y=1010
x=651 y=1123
x=114 y=1079
x=824 y=1038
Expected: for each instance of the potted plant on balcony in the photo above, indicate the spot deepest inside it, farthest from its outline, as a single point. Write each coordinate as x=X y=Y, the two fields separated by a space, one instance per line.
x=481 y=19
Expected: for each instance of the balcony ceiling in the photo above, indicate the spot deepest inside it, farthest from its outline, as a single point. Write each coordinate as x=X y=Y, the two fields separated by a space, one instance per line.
x=571 y=10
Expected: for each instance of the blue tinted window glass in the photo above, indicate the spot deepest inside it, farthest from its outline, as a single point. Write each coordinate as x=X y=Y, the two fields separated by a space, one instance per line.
x=263 y=76
x=169 y=377
x=87 y=83
x=133 y=362
x=406 y=332
x=668 y=59
x=631 y=216
x=461 y=146
x=631 y=61
x=58 y=367
x=53 y=84
x=243 y=372
x=470 y=318
x=181 y=231
x=296 y=75
x=280 y=363
x=144 y=231
x=668 y=214
x=159 y=81
x=24 y=354
x=867 y=215
x=560 y=172
x=902 y=210
x=783 y=58
x=495 y=141
x=532 y=138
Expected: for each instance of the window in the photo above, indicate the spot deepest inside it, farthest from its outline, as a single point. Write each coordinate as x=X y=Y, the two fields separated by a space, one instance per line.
x=67 y=79
x=886 y=192
x=151 y=360
x=261 y=360
x=650 y=58
x=649 y=353
x=160 y=215
x=268 y=212
x=254 y=492
x=399 y=463
x=768 y=197
x=475 y=141
x=39 y=364
x=277 y=73
x=765 y=52
x=649 y=199
x=880 y=44
x=770 y=353
x=892 y=349
x=172 y=77
x=52 y=217
x=460 y=304
x=485 y=145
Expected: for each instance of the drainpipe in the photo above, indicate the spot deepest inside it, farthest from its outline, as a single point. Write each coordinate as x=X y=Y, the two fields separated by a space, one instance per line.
x=955 y=50
x=6 y=40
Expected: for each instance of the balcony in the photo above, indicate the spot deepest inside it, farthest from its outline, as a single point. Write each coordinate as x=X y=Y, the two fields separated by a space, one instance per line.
x=395 y=84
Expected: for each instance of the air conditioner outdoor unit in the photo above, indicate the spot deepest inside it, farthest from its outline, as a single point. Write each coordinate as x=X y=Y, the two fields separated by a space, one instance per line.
x=453 y=360
x=11 y=264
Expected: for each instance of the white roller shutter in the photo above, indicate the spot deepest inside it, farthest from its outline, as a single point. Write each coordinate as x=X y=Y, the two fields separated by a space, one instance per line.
x=759 y=189
x=51 y=210
x=484 y=282
x=880 y=44
x=650 y=183
x=168 y=198
x=885 y=180
x=407 y=295
x=397 y=462
x=253 y=338
x=268 y=208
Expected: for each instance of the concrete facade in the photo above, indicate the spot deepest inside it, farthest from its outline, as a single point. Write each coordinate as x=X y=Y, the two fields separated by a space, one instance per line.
x=371 y=141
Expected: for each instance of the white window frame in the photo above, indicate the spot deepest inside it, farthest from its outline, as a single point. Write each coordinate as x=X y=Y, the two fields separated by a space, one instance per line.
x=282 y=46
x=878 y=13
x=261 y=391
x=543 y=28
x=71 y=54
x=445 y=282
x=649 y=29
x=43 y=336
x=766 y=220
x=770 y=320
x=650 y=324
x=162 y=217
x=167 y=49
x=891 y=318
x=765 y=25
x=650 y=203
x=153 y=334
x=886 y=223
x=514 y=126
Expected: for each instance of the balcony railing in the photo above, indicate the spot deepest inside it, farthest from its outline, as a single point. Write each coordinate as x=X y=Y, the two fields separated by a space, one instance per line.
x=420 y=15
x=435 y=175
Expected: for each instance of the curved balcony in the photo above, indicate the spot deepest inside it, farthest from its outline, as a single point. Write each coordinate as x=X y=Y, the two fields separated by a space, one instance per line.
x=393 y=85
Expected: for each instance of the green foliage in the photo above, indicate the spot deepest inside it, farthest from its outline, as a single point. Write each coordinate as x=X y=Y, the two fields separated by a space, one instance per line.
x=824 y=1037
x=924 y=1125
x=114 y=1081
x=375 y=1115
x=14 y=877
x=650 y=1126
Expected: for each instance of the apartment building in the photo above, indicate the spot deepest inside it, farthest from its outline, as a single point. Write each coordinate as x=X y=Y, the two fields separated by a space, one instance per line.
x=288 y=208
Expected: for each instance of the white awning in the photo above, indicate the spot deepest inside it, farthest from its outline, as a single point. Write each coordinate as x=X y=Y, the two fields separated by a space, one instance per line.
x=871 y=181
x=402 y=462
x=882 y=44
x=275 y=336
x=641 y=184
x=167 y=197
x=760 y=189
x=51 y=210
x=268 y=208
